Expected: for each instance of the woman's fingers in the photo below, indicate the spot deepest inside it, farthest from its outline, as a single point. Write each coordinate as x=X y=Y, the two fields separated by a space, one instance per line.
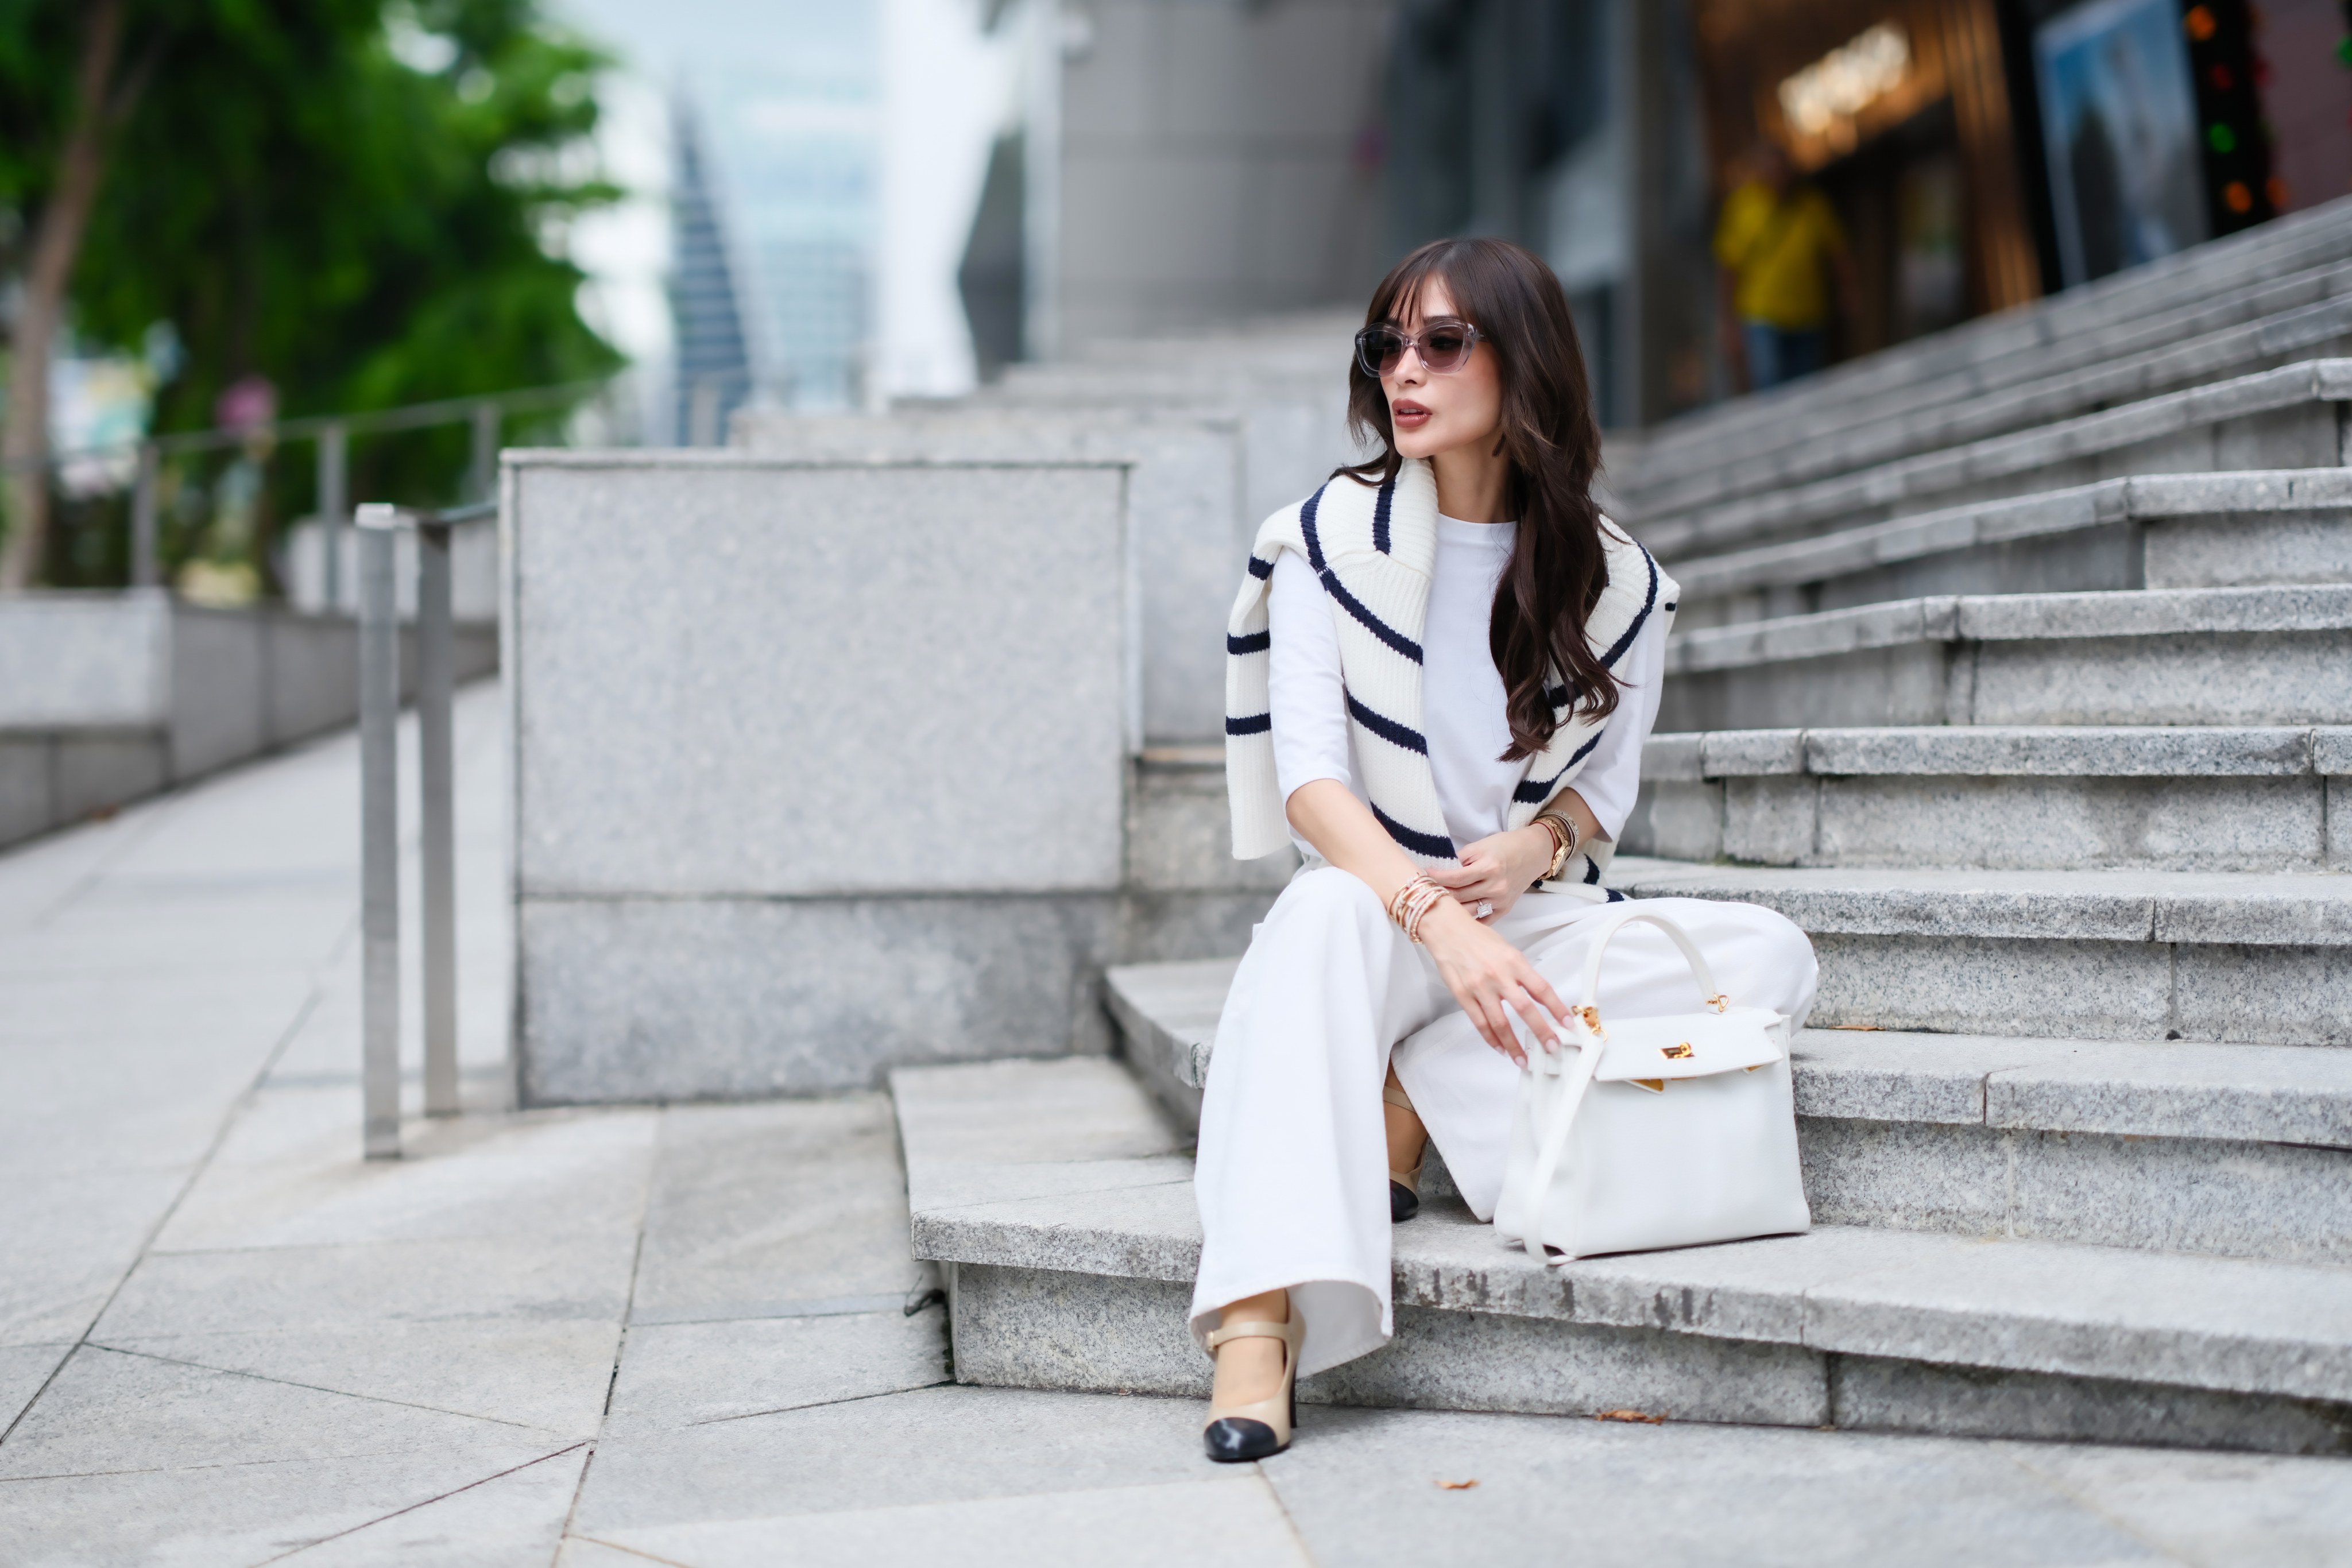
x=1540 y=988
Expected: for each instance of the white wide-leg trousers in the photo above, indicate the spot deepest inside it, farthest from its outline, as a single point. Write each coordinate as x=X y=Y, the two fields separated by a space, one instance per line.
x=1292 y=1177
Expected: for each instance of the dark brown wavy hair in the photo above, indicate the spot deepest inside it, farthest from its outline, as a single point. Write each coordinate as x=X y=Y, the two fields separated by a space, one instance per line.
x=1557 y=568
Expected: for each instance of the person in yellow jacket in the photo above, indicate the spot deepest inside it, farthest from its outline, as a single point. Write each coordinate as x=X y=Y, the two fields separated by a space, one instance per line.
x=1784 y=266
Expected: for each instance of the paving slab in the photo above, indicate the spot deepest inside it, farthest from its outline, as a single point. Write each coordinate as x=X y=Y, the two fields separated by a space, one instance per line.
x=254 y=1512
x=72 y=1238
x=284 y=1176
x=512 y=1517
x=2208 y=1508
x=1685 y=1494
x=760 y=1209
x=1233 y=1520
x=691 y=1374
x=551 y=1376
x=932 y=1444
x=582 y=1277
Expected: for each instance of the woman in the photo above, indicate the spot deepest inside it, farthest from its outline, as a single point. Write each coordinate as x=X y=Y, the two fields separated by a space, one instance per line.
x=1441 y=671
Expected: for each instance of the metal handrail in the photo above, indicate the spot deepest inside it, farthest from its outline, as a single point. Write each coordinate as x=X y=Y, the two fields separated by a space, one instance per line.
x=379 y=526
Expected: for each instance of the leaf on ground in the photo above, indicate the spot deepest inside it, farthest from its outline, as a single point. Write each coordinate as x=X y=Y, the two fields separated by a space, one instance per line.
x=1646 y=1420
x=1861 y=1028
x=1457 y=1486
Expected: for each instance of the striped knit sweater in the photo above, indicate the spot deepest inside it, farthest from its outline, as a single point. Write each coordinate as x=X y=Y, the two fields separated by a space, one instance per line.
x=1374 y=550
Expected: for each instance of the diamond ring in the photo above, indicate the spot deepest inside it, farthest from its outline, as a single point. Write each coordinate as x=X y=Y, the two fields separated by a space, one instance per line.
x=1486 y=908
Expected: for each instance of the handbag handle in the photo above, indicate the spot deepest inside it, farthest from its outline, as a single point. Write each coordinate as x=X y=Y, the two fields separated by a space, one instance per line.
x=1699 y=970
x=1569 y=1097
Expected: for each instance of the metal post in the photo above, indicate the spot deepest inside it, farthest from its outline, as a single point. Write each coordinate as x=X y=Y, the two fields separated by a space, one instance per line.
x=379 y=631
x=334 y=506
x=145 y=570
x=482 y=476
x=434 y=660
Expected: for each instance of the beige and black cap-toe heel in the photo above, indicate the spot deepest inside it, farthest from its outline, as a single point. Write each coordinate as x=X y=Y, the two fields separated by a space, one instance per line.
x=1235 y=1432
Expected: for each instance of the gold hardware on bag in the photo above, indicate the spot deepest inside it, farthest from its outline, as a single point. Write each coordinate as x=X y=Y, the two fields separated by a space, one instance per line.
x=1682 y=1052
x=1592 y=1017
x=1655 y=1085
x=1718 y=1001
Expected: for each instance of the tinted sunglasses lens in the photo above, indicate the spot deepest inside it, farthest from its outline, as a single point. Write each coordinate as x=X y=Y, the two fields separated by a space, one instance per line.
x=1445 y=349
x=1378 y=352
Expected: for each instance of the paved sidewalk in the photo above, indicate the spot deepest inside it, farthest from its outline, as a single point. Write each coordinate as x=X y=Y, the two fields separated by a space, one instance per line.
x=601 y=1339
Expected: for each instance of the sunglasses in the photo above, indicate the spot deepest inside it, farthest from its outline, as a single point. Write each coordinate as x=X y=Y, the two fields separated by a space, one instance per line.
x=1443 y=346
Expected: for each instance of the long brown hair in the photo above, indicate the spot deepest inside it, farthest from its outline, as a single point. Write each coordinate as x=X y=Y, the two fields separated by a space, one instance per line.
x=1557 y=568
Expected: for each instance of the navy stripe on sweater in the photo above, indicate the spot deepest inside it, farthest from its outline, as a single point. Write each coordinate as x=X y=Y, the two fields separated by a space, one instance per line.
x=1387 y=728
x=1255 y=643
x=1617 y=649
x=1381 y=516
x=1261 y=570
x=1434 y=846
x=1307 y=510
x=1256 y=723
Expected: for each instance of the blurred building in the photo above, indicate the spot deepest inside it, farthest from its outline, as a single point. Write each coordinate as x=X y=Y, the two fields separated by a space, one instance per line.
x=1184 y=161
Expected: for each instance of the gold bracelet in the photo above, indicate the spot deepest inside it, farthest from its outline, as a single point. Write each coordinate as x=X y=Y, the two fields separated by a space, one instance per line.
x=1565 y=836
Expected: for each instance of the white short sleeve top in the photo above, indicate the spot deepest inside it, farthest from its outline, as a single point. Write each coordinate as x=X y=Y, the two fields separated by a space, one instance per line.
x=1463 y=712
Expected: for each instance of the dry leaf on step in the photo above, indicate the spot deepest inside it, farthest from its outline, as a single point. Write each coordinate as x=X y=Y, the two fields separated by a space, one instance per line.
x=1646 y=1420
x=1457 y=1486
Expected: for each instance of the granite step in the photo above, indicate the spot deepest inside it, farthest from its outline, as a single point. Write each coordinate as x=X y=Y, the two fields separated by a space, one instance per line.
x=1057 y=1200
x=2253 y=957
x=1879 y=434
x=2002 y=797
x=2204 y=288
x=2267 y=656
x=2174 y=530
x=2269 y=315
x=2290 y=417
x=2229 y=1150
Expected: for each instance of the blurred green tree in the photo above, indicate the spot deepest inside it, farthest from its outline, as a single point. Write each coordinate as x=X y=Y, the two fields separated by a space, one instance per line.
x=362 y=201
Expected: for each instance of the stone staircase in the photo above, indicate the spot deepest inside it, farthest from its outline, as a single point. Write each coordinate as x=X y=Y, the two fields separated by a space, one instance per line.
x=2016 y=667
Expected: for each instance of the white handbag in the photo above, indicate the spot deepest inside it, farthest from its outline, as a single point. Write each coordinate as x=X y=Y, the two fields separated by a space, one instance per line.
x=1655 y=1132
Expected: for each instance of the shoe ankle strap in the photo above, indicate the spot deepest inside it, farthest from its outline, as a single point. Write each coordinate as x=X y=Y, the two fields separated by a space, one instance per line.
x=1290 y=1333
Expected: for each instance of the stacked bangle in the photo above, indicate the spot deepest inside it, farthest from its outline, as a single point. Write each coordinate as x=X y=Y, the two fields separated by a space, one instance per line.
x=1415 y=900
x=1564 y=837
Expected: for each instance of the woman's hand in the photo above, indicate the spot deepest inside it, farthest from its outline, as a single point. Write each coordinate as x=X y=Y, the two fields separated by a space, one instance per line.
x=1490 y=978
x=1497 y=868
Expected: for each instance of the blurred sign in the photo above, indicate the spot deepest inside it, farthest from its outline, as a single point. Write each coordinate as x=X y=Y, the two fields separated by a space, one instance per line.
x=1847 y=81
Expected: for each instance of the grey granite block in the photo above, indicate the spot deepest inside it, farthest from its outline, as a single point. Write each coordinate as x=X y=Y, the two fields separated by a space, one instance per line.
x=1905 y=684
x=1184 y=492
x=2188 y=678
x=698 y=998
x=1038 y=1330
x=1034 y=1328
x=2155 y=751
x=220 y=688
x=2331 y=750
x=1672 y=758
x=2115 y=990
x=26 y=807
x=1877 y=1394
x=1906 y=1176
x=85 y=659
x=833 y=652
x=2223 y=824
x=2241 y=548
x=1771 y=820
x=2292 y=995
x=2275 y=1093
x=683 y=1374
x=1676 y=819
x=1179 y=829
x=1747 y=753
x=2210 y=1507
x=96 y=770
x=2182 y=1195
x=1481 y=1361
